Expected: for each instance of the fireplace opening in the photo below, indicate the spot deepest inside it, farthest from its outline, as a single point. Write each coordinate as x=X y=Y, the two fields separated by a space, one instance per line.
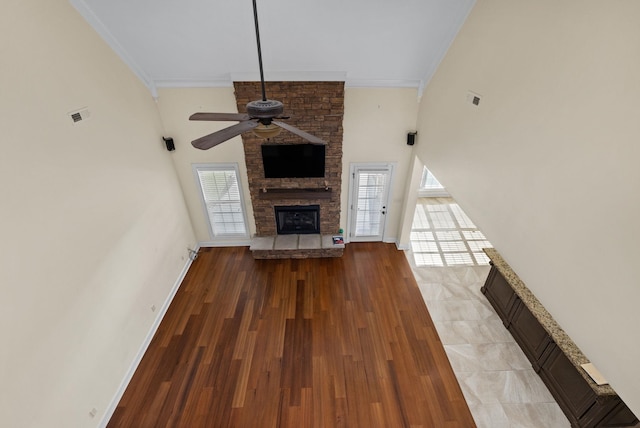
x=298 y=219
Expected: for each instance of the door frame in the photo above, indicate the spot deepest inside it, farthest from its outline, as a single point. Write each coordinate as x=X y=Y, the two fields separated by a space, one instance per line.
x=353 y=167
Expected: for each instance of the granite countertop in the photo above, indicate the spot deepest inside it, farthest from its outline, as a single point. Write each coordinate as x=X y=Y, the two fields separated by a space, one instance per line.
x=562 y=339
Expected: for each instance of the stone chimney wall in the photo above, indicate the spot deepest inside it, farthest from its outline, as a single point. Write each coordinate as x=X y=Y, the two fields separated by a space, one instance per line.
x=314 y=107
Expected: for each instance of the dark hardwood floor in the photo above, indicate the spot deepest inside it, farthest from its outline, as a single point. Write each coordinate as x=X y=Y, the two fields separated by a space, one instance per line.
x=340 y=342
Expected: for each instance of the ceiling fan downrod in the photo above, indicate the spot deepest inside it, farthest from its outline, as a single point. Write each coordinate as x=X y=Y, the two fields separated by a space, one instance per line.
x=255 y=19
x=259 y=117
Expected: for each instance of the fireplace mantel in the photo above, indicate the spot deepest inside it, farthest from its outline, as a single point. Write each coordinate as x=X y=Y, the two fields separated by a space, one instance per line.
x=313 y=193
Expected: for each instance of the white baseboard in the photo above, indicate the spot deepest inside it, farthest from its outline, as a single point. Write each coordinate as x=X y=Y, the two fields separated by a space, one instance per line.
x=143 y=348
x=239 y=243
x=402 y=247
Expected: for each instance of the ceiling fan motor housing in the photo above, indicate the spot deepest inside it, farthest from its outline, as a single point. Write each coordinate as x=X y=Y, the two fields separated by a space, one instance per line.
x=264 y=109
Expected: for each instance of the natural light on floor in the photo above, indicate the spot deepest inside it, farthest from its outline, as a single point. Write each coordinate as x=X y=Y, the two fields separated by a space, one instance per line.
x=443 y=235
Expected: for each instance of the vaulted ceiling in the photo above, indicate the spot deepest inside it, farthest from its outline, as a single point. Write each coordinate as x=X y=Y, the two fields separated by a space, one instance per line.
x=212 y=42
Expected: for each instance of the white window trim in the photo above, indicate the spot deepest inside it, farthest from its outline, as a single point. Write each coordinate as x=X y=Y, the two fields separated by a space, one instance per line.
x=433 y=192
x=236 y=239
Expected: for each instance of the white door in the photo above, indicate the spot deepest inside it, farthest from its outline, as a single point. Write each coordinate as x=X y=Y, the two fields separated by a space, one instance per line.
x=369 y=196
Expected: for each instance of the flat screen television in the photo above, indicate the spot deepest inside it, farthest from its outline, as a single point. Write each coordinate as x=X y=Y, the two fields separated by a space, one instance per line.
x=293 y=160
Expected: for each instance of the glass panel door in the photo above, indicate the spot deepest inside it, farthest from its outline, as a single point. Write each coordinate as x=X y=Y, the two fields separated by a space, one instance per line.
x=370 y=194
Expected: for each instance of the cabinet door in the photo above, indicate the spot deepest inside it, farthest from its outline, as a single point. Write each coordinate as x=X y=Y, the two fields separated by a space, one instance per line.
x=571 y=390
x=529 y=333
x=500 y=294
x=619 y=416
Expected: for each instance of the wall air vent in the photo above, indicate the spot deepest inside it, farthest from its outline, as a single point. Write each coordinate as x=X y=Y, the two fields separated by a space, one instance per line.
x=473 y=98
x=79 y=115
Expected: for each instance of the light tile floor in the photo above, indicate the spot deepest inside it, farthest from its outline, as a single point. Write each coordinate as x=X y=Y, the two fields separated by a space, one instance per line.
x=496 y=378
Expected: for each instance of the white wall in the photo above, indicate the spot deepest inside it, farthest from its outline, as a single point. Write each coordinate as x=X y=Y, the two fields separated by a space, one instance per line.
x=94 y=229
x=411 y=194
x=376 y=123
x=176 y=105
x=547 y=165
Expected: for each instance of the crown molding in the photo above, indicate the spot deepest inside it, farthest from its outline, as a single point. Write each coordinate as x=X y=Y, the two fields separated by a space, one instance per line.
x=194 y=83
x=99 y=27
x=290 y=76
x=382 y=83
x=287 y=77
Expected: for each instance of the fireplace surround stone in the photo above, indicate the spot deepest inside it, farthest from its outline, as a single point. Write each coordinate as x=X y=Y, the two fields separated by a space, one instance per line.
x=317 y=108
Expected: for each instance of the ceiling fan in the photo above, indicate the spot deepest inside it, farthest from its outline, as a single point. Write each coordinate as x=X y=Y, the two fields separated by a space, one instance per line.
x=260 y=116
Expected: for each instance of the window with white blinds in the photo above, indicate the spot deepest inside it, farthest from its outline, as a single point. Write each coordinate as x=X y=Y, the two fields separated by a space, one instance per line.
x=222 y=197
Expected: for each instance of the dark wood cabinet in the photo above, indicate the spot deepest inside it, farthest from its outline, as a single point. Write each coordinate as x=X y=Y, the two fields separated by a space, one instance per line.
x=582 y=406
x=550 y=352
x=619 y=416
x=529 y=333
x=502 y=297
x=570 y=389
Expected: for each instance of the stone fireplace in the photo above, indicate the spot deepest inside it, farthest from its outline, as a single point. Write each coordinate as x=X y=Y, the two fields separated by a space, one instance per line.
x=314 y=107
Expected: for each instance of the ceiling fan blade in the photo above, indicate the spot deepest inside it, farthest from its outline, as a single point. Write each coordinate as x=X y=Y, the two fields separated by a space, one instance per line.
x=211 y=140
x=311 y=138
x=219 y=116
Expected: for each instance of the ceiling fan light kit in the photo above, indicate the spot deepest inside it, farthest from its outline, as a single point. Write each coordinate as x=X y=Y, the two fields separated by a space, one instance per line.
x=266 y=131
x=259 y=117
